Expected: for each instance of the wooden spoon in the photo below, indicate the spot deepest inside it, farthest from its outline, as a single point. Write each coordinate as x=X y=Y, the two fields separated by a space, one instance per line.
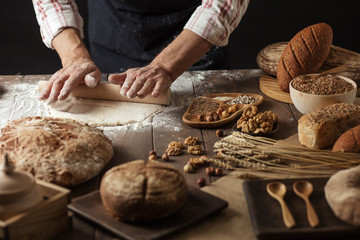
x=337 y=69
x=277 y=190
x=304 y=189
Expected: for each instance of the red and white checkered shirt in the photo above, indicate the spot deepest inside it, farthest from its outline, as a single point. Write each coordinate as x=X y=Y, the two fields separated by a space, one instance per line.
x=213 y=20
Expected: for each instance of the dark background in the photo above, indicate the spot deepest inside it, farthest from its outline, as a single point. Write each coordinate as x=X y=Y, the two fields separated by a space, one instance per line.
x=265 y=22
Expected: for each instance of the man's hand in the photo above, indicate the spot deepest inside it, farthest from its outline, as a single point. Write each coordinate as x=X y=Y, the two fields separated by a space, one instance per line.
x=140 y=82
x=77 y=71
x=78 y=68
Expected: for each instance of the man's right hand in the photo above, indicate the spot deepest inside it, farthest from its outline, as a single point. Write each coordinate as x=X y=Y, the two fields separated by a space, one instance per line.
x=78 y=71
x=78 y=67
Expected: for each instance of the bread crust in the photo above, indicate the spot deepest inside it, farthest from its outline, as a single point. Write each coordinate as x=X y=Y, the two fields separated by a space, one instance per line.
x=348 y=141
x=305 y=53
x=60 y=151
x=322 y=127
x=141 y=191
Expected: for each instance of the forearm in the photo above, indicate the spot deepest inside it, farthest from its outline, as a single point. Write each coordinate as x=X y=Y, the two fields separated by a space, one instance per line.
x=68 y=45
x=182 y=53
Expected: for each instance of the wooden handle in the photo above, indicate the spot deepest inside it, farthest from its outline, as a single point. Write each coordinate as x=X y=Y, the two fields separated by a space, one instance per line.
x=109 y=91
x=287 y=216
x=311 y=214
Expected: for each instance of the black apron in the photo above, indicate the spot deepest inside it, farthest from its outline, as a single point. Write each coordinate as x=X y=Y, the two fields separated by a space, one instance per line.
x=125 y=34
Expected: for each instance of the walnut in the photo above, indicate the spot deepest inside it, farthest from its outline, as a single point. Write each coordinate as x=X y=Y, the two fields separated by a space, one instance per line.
x=173 y=151
x=191 y=141
x=197 y=162
x=250 y=111
x=258 y=123
x=272 y=115
x=176 y=144
x=174 y=148
x=195 y=150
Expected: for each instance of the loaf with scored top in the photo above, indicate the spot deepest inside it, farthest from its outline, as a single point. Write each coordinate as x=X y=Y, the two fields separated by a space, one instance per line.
x=140 y=191
x=305 y=53
x=322 y=127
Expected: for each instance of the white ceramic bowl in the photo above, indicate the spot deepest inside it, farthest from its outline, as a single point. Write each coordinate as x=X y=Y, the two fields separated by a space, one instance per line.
x=305 y=102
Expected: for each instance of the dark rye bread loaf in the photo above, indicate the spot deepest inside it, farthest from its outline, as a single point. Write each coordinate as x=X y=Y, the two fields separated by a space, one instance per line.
x=140 y=191
x=348 y=141
x=305 y=53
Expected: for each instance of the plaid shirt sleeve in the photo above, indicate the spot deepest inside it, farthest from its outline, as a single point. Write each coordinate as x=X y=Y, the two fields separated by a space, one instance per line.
x=55 y=15
x=215 y=20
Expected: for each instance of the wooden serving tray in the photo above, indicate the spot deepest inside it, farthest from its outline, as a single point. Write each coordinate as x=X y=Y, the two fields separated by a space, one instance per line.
x=191 y=119
x=198 y=206
x=265 y=213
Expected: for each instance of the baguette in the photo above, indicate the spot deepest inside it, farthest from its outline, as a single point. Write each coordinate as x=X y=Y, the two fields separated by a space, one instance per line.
x=348 y=141
x=322 y=127
x=305 y=53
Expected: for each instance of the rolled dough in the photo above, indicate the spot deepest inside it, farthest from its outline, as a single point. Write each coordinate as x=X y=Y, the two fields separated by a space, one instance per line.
x=103 y=113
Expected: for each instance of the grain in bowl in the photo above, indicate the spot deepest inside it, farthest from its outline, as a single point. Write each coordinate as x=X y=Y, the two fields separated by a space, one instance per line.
x=313 y=91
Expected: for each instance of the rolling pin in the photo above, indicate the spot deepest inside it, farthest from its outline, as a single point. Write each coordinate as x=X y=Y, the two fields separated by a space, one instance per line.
x=109 y=91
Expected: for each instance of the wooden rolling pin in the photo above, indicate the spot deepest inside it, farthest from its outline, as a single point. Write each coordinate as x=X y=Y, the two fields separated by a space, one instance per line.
x=109 y=91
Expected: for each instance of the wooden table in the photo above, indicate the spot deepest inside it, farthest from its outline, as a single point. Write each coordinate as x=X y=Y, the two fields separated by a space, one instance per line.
x=130 y=144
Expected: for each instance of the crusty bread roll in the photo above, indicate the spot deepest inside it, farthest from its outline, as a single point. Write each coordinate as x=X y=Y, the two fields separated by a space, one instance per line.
x=322 y=127
x=348 y=141
x=141 y=191
x=305 y=53
x=59 y=151
x=342 y=192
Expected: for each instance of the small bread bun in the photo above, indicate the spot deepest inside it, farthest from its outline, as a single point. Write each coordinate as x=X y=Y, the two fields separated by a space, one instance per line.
x=141 y=191
x=342 y=192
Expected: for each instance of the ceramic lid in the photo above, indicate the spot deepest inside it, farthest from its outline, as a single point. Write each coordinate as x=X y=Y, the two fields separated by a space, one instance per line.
x=13 y=182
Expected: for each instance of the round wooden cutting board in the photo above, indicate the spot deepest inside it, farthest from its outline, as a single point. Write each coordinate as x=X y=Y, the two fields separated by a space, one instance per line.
x=270 y=87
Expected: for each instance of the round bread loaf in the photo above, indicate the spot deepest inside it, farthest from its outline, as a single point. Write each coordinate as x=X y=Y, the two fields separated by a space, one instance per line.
x=305 y=53
x=342 y=192
x=141 y=191
x=59 y=151
x=348 y=141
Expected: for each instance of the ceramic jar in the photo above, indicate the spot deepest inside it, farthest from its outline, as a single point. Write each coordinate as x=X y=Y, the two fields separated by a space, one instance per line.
x=18 y=190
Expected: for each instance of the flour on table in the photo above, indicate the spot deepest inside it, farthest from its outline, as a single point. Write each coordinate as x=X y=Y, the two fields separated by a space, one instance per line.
x=103 y=113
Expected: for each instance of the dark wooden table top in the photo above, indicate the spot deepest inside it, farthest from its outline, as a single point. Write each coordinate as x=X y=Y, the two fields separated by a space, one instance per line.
x=131 y=144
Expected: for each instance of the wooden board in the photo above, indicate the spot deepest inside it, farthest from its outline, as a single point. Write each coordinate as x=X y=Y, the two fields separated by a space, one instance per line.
x=198 y=206
x=270 y=87
x=267 y=220
x=191 y=119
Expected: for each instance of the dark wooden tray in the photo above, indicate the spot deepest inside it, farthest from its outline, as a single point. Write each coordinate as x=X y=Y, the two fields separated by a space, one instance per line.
x=267 y=220
x=191 y=119
x=198 y=206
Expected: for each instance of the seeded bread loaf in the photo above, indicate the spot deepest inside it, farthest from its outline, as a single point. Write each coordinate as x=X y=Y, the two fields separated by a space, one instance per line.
x=348 y=141
x=142 y=191
x=305 y=53
x=322 y=127
x=60 y=151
